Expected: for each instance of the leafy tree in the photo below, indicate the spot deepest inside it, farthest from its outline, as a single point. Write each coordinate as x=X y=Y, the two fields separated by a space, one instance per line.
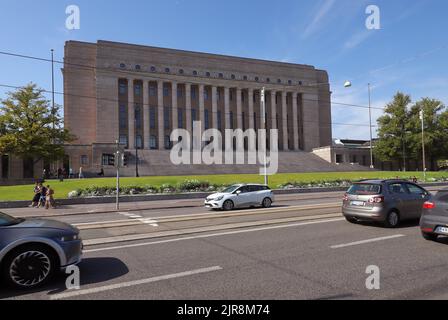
x=393 y=126
x=30 y=127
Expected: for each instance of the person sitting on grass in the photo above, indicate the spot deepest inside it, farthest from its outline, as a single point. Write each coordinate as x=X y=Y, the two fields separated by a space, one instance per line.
x=49 y=200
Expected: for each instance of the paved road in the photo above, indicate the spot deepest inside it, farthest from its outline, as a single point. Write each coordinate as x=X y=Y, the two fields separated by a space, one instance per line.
x=298 y=250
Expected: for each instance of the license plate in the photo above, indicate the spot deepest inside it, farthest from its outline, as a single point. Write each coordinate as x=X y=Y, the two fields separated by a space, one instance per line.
x=442 y=230
x=357 y=203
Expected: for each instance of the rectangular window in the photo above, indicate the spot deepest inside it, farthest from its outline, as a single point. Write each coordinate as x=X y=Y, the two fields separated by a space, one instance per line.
x=179 y=92
x=152 y=91
x=231 y=95
x=152 y=117
x=166 y=117
x=244 y=121
x=219 y=120
x=138 y=89
x=167 y=143
x=242 y=96
x=107 y=159
x=124 y=140
x=207 y=122
x=193 y=93
x=138 y=116
x=84 y=160
x=123 y=88
x=123 y=116
x=166 y=91
x=193 y=116
x=218 y=95
x=139 y=142
x=205 y=94
x=180 y=118
x=231 y=120
x=152 y=142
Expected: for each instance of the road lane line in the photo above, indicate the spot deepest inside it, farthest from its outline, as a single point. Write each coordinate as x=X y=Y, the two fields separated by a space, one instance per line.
x=366 y=241
x=214 y=235
x=72 y=294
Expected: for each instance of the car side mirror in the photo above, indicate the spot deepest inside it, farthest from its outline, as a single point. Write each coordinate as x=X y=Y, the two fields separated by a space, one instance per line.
x=238 y=192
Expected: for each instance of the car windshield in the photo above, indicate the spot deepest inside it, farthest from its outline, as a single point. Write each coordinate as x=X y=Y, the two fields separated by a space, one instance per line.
x=6 y=220
x=365 y=189
x=230 y=189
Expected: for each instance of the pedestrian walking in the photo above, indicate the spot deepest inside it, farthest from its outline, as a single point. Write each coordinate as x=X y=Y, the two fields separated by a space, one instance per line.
x=49 y=199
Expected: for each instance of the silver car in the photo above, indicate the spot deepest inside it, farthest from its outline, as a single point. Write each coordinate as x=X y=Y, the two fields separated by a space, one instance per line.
x=32 y=250
x=386 y=201
x=241 y=196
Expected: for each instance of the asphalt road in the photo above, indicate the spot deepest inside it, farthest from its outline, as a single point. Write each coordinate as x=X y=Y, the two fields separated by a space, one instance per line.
x=302 y=249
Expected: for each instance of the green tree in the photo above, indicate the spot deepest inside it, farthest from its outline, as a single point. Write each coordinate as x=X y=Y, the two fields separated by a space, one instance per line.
x=393 y=127
x=30 y=127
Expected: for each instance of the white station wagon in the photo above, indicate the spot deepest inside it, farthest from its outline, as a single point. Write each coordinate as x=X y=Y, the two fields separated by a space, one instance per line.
x=241 y=196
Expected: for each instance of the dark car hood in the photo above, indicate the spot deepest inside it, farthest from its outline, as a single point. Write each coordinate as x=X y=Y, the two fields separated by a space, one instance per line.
x=45 y=224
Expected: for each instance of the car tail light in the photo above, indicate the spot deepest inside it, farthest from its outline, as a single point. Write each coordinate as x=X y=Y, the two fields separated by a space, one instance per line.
x=429 y=205
x=376 y=200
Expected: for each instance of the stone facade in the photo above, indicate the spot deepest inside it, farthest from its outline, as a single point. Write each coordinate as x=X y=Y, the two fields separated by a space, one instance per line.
x=137 y=95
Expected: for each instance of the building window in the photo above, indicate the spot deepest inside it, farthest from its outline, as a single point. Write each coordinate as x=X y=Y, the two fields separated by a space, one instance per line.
x=84 y=160
x=138 y=142
x=138 y=67
x=138 y=116
x=279 y=80
x=257 y=79
x=289 y=82
x=233 y=77
x=123 y=140
x=122 y=65
x=219 y=120
x=166 y=91
x=231 y=95
x=195 y=73
x=166 y=117
x=231 y=120
x=167 y=70
x=181 y=71
x=153 y=69
x=242 y=96
x=179 y=92
x=221 y=75
x=245 y=78
x=206 y=119
x=152 y=91
x=193 y=93
x=167 y=143
x=207 y=74
x=123 y=88
x=138 y=89
x=218 y=95
x=123 y=116
x=107 y=159
x=244 y=121
x=205 y=94
x=268 y=80
x=300 y=83
x=152 y=142
x=152 y=117
x=193 y=116
x=180 y=118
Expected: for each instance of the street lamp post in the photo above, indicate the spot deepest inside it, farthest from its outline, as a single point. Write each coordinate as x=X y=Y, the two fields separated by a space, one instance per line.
x=422 y=117
x=136 y=148
x=348 y=84
x=263 y=115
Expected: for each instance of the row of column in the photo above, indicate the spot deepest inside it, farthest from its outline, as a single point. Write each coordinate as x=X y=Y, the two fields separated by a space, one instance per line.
x=239 y=109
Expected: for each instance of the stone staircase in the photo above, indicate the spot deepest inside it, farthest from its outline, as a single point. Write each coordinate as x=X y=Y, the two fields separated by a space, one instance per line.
x=158 y=163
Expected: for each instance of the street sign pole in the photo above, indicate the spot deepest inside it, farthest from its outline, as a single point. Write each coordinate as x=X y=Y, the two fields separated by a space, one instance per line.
x=117 y=163
x=422 y=117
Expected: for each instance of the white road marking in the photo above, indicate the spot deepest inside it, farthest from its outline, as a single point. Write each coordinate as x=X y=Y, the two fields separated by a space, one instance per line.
x=366 y=241
x=214 y=235
x=72 y=294
x=151 y=222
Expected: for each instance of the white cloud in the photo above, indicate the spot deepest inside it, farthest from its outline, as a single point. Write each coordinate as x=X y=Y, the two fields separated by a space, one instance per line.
x=321 y=13
x=358 y=38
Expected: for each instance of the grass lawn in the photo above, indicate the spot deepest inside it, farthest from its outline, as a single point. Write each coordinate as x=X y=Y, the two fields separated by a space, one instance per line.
x=25 y=192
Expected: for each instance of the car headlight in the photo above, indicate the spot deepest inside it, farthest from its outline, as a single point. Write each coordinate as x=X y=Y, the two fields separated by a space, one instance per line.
x=72 y=237
x=219 y=198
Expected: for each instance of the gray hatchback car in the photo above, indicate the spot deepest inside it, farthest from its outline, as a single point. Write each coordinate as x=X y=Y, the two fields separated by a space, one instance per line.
x=32 y=250
x=386 y=201
x=434 y=220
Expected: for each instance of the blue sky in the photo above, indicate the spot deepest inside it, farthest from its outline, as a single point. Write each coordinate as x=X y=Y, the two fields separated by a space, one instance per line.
x=409 y=53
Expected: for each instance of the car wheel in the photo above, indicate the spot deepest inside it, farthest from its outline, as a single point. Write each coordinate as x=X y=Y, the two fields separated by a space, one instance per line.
x=228 y=205
x=29 y=267
x=430 y=236
x=351 y=219
x=266 y=203
x=392 y=220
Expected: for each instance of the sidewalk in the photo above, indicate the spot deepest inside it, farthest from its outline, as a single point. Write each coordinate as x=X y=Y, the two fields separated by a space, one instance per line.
x=67 y=210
